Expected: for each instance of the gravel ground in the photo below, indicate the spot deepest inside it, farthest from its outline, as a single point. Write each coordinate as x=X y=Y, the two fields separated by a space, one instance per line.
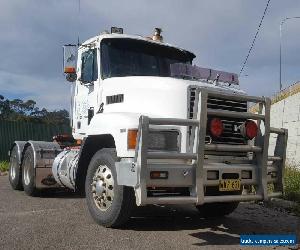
x=60 y=220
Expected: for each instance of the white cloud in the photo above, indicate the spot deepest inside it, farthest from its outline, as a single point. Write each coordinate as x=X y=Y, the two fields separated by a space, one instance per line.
x=219 y=32
x=50 y=93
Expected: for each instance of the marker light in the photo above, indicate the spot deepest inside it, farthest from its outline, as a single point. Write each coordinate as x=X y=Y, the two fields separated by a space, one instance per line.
x=69 y=70
x=131 y=138
x=249 y=129
x=116 y=30
x=216 y=127
x=159 y=175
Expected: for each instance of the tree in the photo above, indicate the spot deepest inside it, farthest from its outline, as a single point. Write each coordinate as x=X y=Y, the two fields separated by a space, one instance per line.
x=19 y=110
x=4 y=108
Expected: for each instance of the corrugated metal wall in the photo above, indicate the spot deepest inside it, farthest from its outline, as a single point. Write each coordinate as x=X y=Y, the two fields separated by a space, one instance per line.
x=23 y=131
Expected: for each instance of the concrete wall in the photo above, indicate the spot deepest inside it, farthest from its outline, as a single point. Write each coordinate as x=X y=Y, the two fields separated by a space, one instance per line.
x=286 y=114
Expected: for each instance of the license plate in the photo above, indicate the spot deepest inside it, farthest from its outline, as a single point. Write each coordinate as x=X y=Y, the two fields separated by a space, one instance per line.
x=230 y=185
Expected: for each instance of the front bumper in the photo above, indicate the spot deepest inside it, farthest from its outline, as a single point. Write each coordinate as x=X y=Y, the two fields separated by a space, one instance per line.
x=193 y=172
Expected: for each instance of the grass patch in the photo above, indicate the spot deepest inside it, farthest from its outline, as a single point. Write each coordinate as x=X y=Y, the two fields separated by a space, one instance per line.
x=292 y=183
x=4 y=166
x=292 y=187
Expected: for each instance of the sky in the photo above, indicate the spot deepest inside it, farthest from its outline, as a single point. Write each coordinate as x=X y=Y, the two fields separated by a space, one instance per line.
x=32 y=33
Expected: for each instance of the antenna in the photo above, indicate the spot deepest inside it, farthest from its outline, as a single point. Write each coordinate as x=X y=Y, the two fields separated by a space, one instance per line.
x=78 y=40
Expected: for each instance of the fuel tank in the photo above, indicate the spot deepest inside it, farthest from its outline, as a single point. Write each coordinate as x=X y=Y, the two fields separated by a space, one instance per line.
x=65 y=166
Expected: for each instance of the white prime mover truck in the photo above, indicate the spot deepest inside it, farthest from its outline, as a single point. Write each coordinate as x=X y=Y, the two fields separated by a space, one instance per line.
x=149 y=127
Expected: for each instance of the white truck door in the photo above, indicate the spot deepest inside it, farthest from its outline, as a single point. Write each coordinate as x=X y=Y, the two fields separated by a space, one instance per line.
x=87 y=86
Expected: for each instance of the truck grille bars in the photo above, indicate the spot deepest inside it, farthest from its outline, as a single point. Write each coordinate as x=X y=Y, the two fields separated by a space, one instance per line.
x=230 y=135
x=197 y=167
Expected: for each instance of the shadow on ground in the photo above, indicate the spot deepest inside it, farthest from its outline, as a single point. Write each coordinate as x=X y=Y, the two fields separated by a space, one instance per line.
x=218 y=231
x=247 y=219
x=59 y=193
x=176 y=218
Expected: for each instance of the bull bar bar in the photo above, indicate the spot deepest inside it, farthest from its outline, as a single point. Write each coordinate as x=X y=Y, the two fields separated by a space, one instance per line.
x=196 y=153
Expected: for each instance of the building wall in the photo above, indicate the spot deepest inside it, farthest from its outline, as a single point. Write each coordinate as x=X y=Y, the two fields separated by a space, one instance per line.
x=286 y=114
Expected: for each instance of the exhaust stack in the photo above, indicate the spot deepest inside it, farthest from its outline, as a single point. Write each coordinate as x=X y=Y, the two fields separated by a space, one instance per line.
x=157 y=35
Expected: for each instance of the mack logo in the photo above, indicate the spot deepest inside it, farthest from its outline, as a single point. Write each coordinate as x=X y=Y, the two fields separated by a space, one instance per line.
x=235 y=128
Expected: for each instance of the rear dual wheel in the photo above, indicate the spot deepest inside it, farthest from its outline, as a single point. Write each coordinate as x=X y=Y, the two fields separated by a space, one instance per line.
x=22 y=176
x=15 y=175
x=28 y=173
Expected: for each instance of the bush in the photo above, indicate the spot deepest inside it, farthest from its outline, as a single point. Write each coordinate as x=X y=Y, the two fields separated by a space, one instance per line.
x=292 y=183
x=3 y=166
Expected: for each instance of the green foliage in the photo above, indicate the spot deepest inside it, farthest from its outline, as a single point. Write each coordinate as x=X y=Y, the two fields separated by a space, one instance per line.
x=19 y=110
x=292 y=183
x=4 y=166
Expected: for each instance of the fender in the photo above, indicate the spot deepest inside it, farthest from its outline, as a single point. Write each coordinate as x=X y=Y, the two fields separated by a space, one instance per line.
x=44 y=154
x=43 y=151
x=116 y=124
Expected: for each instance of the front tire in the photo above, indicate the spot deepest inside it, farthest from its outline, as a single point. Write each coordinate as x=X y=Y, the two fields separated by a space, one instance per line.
x=15 y=175
x=28 y=173
x=109 y=204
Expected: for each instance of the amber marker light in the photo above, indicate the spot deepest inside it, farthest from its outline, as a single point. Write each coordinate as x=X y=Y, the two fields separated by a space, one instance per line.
x=70 y=70
x=131 y=138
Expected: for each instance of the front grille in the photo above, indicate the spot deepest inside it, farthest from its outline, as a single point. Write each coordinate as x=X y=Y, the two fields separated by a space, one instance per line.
x=231 y=134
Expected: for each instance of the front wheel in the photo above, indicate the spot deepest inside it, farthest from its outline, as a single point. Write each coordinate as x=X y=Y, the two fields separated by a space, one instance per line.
x=110 y=204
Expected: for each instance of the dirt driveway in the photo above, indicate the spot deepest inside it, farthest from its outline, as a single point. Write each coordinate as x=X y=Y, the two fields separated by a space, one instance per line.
x=61 y=221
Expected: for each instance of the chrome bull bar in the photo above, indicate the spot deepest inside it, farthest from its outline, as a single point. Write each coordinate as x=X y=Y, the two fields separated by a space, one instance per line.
x=196 y=152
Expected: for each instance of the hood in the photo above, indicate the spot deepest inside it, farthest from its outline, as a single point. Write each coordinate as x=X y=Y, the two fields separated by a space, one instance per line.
x=152 y=96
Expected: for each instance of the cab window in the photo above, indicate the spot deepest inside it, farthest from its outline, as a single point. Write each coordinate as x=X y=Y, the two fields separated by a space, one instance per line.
x=89 y=67
x=130 y=57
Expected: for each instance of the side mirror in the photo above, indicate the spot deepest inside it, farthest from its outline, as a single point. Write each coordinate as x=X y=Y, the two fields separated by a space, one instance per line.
x=69 y=64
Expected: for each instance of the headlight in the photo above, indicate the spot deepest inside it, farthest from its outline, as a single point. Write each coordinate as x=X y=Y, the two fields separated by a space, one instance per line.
x=164 y=140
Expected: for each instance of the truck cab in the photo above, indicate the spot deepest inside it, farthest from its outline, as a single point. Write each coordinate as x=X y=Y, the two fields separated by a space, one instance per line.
x=152 y=128
x=125 y=74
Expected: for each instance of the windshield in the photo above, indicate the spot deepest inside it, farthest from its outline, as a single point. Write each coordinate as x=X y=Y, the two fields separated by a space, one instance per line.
x=129 y=57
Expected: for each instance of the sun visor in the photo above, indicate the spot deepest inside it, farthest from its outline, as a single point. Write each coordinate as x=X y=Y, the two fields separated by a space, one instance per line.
x=182 y=70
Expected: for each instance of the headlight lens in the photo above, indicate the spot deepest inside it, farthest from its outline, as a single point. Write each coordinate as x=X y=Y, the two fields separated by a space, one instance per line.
x=163 y=140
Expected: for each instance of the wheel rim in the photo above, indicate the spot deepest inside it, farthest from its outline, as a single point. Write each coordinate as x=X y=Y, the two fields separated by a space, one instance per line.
x=13 y=166
x=27 y=171
x=103 y=187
